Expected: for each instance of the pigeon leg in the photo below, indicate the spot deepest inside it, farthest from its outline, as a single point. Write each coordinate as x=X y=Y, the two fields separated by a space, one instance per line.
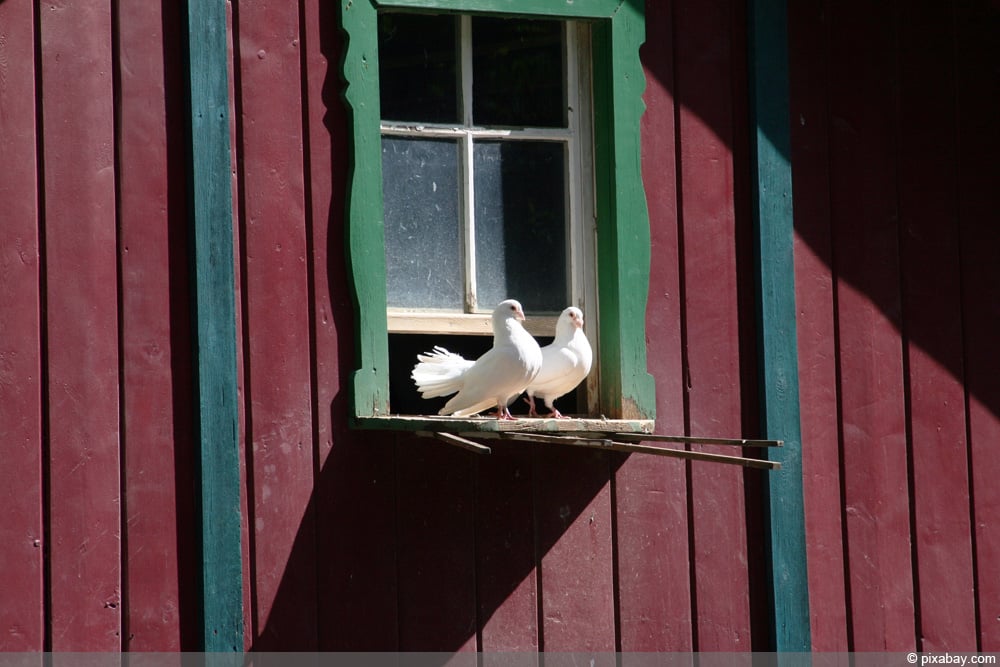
x=530 y=400
x=503 y=413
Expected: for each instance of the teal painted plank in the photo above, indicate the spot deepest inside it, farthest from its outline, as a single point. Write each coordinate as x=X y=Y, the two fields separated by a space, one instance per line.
x=779 y=387
x=217 y=418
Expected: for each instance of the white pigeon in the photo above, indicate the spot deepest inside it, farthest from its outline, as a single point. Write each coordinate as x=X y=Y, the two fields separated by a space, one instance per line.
x=565 y=362
x=494 y=379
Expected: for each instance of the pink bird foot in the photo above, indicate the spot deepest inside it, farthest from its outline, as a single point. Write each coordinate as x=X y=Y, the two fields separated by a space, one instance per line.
x=531 y=406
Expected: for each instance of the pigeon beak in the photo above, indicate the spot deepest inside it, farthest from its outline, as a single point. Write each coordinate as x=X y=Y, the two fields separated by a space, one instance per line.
x=519 y=315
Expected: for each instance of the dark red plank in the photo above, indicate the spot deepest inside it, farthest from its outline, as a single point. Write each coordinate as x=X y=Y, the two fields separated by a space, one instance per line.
x=654 y=587
x=156 y=331
x=82 y=317
x=704 y=91
x=506 y=579
x=357 y=590
x=21 y=528
x=436 y=558
x=814 y=283
x=276 y=325
x=574 y=542
x=977 y=95
x=865 y=244
x=933 y=325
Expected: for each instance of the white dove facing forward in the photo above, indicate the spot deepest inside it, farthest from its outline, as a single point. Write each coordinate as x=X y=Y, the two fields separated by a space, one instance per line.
x=494 y=379
x=565 y=363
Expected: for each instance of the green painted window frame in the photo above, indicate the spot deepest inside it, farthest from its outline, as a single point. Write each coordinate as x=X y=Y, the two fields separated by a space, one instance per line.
x=623 y=251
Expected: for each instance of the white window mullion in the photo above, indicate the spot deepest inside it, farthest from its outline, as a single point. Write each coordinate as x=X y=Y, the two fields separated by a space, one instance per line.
x=468 y=224
x=573 y=194
x=468 y=194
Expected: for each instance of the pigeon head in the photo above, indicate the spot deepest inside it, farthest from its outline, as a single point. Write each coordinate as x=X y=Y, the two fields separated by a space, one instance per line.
x=569 y=321
x=508 y=308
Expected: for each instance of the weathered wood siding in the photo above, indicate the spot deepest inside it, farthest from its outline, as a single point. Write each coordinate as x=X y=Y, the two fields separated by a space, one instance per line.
x=95 y=395
x=897 y=289
x=373 y=541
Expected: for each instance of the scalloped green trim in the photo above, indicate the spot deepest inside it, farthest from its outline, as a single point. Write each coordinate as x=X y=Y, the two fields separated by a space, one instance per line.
x=627 y=389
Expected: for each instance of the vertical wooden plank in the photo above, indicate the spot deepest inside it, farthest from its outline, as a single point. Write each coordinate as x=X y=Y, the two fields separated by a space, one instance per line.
x=776 y=331
x=864 y=214
x=436 y=557
x=814 y=288
x=356 y=551
x=721 y=586
x=277 y=371
x=506 y=579
x=933 y=326
x=210 y=211
x=22 y=616
x=156 y=332
x=574 y=541
x=654 y=589
x=81 y=303
x=977 y=96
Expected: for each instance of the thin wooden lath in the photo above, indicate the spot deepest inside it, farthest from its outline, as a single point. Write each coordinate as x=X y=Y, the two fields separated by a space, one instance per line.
x=630 y=443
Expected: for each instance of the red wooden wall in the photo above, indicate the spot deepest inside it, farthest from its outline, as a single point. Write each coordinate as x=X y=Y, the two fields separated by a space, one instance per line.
x=366 y=541
x=893 y=131
x=95 y=390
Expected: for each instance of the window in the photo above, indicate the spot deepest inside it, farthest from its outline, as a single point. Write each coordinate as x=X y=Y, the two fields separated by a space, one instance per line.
x=480 y=141
x=486 y=169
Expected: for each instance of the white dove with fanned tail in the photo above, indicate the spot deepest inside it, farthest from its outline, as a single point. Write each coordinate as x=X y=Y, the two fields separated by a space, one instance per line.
x=494 y=379
x=565 y=363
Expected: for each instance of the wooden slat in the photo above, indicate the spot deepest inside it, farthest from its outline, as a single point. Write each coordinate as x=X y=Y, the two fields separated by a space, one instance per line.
x=506 y=580
x=275 y=284
x=650 y=507
x=814 y=285
x=932 y=319
x=436 y=558
x=81 y=302
x=977 y=94
x=712 y=374
x=210 y=210
x=21 y=522
x=156 y=334
x=457 y=441
x=692 y=440
x=615 y=446
x=788 y=592
x=868 y=304
x=574 y=543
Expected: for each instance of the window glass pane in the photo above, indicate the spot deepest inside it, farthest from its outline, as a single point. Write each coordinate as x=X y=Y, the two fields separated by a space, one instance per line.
x=521 y=224
x=418 y=76
x=420 y=182
x=517 y=72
